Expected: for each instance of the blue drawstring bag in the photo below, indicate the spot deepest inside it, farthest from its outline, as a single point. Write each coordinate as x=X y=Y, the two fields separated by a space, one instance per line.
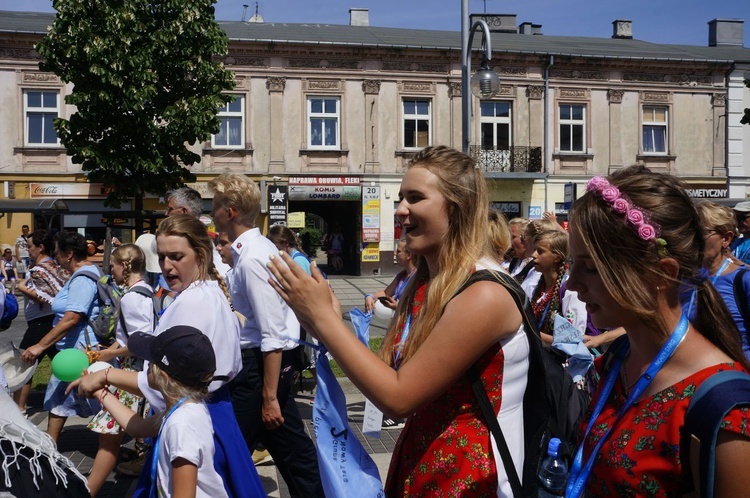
x=345 y=467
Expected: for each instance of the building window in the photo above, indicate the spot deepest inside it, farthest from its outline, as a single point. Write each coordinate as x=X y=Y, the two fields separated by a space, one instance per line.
x=495 y=123
x=323 y=115
x=572 y=128
x=654 y=130
x=232 y=118
x=416 y=123
x=41 y=109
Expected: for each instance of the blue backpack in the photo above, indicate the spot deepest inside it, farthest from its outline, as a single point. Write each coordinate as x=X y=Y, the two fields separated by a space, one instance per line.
x=10 y=311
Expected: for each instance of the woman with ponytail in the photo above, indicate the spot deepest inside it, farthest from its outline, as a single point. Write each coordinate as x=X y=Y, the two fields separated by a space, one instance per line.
x=186 y=258
x=636 y=241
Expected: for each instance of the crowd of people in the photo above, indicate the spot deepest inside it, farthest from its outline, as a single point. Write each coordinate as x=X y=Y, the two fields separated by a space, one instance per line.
x=642 y=274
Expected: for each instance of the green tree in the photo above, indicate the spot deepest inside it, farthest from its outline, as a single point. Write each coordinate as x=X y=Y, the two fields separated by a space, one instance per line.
x=146 y=82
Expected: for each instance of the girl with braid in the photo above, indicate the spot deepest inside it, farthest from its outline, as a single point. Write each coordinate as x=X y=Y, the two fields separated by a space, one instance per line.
x=185 y=253
x=136 y=314
x=550 y=298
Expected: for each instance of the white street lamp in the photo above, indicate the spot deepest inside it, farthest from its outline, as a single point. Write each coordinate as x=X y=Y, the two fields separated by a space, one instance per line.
x=485 y=84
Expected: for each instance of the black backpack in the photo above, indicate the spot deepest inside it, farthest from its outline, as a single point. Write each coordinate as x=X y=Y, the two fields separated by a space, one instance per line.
x=553 y=404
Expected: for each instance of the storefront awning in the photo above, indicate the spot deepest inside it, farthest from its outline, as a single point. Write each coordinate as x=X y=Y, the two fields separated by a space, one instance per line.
x=35 y=206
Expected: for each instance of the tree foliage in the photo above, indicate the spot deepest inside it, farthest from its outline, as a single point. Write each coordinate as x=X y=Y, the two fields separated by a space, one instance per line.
x=146 y=82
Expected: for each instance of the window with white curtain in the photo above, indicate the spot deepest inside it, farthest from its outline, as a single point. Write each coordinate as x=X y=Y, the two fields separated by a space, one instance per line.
x=655 y=130
x=40 y=110
x=417 y=123
x=572 y=121
x=232 y=128
x=323 y=115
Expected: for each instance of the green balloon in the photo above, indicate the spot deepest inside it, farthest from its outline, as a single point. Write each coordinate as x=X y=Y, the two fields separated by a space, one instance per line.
x=68 y=364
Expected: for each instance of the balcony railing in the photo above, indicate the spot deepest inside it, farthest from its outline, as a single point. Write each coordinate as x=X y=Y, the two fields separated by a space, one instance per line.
x=516 y=159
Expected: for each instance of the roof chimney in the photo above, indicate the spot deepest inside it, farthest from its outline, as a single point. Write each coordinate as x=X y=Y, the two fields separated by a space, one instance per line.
x=359 y=17
x=723 y=32
x=622 y=28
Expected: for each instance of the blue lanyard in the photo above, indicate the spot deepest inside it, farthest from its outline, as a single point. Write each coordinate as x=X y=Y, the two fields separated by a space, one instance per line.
x=155 y=461
x=402 y=343
x=579 y=473
x=401 y=285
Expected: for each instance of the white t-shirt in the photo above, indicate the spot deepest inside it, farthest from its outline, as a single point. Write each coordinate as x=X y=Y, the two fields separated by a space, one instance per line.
x=188 y=434
x=203 y=306
x=137 y=312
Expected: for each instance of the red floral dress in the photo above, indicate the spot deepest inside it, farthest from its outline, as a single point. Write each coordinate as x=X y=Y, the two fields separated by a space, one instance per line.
x=641 y=456
x=444 y=449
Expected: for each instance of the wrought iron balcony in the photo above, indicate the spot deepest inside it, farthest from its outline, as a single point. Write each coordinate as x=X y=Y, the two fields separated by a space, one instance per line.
x=516 y=159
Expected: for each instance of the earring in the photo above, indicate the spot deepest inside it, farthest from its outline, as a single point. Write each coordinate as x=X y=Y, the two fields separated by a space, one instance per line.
x=657 y=288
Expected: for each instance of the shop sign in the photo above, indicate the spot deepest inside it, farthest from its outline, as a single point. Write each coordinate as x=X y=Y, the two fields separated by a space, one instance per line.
x=67 y=190
x=115 y=221
x=324 y=193
x=707 y=191
x=277 y=195
x=324 y=180
x=296 y=220
x=371 y=253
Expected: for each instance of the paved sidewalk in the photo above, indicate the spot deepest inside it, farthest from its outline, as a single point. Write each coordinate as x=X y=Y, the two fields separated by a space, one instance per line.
x=80 y=445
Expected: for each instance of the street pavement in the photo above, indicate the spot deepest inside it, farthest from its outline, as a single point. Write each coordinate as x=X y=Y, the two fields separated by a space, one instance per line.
x=80 y=445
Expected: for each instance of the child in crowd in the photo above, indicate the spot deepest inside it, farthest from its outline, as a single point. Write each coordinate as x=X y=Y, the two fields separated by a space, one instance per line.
x=182 y=365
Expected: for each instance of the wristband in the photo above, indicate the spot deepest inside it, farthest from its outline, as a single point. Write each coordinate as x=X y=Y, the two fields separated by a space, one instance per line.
x=106 y=374
x=370 y=296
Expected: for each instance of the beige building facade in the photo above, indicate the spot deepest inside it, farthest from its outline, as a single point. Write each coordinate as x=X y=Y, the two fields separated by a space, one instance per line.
x=331 y=115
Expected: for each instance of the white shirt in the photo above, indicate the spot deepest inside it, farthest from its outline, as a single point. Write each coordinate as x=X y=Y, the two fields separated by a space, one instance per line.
x=188 y=434
x=270 y=323
x=530 y=282
x=510 y=417
x=137 y=312
x=221 y=266
x=203 y=306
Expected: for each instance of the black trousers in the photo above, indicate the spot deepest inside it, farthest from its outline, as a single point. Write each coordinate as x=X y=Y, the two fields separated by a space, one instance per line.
x=291 y=448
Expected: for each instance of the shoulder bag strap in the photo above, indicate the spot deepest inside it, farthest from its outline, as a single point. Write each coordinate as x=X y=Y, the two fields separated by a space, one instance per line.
x=145 y=292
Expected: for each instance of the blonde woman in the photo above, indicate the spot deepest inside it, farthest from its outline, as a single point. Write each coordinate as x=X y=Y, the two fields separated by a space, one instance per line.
x=438 y=333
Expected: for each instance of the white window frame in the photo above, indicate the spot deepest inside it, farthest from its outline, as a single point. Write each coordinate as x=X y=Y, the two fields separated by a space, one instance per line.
x=224 y=116
x=571 y=123
x=663 y=125
x=28 y=111
x=416 y=117
x=495 y=121
x=323 y=116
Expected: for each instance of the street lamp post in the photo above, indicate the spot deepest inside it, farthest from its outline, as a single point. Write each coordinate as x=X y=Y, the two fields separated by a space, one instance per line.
x=485 y=84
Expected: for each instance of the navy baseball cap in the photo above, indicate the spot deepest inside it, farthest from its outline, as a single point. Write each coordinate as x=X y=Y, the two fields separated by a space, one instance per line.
x=184 y=352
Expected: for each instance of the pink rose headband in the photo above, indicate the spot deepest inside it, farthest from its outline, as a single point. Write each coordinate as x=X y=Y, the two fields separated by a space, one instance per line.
x=647 y=230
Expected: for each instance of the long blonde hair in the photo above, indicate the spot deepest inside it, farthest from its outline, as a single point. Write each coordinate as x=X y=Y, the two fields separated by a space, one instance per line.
x=467 y=202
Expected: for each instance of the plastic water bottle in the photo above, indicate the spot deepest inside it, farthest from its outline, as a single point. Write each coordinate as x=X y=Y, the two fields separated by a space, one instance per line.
x=554 y=472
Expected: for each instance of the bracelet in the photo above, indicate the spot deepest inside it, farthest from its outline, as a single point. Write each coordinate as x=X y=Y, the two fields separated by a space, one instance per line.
x=103 y=395
x=106 y=374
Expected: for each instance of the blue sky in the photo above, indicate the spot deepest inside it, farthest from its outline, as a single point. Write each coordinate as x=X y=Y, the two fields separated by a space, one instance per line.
x=659 y=21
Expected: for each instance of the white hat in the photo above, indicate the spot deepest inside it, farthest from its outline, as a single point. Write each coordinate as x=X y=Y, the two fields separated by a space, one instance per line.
x=147 y=242
x=742 y=207
x=17 y=372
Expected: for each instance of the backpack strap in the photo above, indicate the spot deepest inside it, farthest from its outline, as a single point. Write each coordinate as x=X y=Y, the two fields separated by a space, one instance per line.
x=740 y=297
x=519 y=297
x=143 y=291
x=711 y=402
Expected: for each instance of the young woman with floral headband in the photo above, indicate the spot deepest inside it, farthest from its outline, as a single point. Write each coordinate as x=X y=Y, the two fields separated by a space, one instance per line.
x=636 y=240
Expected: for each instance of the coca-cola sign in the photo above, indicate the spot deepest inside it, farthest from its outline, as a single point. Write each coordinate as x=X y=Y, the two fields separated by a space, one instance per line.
x=67 y=190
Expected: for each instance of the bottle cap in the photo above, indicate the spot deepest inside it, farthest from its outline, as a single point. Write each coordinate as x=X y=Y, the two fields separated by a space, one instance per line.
x=554 y=447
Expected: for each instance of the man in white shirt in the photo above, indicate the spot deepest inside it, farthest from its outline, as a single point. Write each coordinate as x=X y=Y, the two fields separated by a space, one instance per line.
x=261 y=393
